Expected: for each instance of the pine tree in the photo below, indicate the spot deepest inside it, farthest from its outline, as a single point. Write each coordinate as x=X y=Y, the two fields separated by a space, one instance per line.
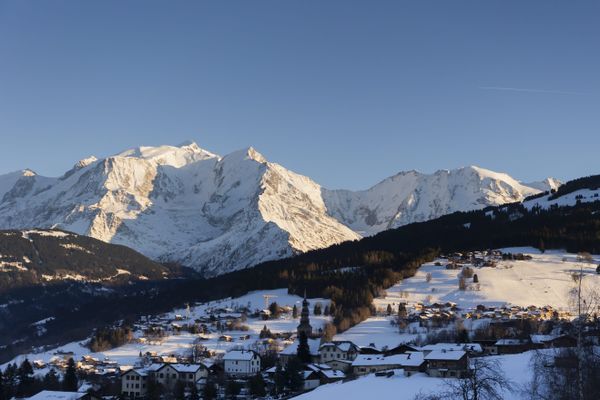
x=25 y=374
x=293 y=373
x=317 y=310
x=194 y=395
x=232 y=389
x=2 y=391
x=280 y=380
x=303 y=348
x=295 y=312
x=51 y=381
x=389 y=309
x=210 y=390
x=257 y=386
x=70 y=380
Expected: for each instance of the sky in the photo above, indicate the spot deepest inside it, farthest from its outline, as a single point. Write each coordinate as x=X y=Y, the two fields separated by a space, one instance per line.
x=346 y=92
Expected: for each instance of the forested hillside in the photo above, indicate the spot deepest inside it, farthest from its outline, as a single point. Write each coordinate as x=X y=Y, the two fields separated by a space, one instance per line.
x=350 y=274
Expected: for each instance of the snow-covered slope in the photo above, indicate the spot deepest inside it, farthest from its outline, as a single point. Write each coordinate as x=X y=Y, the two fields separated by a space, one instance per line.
x=186 y=205
x=414 y=197
x=179 y=204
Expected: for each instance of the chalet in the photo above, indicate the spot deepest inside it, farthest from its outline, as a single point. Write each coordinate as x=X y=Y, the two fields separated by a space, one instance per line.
x=338 y=354
x=443 y=364
x=311 y=379
x=552 y=341
x=241 y=363
x=134 y=383
x=326 y=373
x=400 y=349
x=370 y=349
x=292 y=351
x=410 y=362
x=513 y=346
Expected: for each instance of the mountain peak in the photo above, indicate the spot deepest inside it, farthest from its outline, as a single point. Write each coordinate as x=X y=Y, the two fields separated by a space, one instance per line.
x=175 y=156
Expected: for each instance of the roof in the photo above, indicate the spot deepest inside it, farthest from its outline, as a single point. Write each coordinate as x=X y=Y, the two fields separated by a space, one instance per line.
x=474 y=347
x=243 y=355
x=332 y=374
x=511 y=342
x=187 y=367
x=55 y=395
x=365 y=360
x=412 y=359
x=292 y=349
x=344 y=345
x=445 y=355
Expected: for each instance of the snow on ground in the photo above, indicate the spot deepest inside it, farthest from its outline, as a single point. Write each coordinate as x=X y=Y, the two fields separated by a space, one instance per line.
x=544 y=280
x=181 y=343
x=398 y=387
x=569 y=199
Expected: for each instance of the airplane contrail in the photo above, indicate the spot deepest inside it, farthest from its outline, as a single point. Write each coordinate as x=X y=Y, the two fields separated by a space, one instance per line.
x=527 y=90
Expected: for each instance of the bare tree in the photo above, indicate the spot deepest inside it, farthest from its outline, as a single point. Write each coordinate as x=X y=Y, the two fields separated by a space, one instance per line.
x=428 y=277
x=585 y=301
x=485 y=381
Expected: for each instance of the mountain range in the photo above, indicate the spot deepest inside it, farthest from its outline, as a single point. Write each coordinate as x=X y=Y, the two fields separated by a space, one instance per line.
x=185 y=205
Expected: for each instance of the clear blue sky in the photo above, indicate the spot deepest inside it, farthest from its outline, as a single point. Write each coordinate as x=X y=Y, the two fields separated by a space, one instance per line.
x=347 y=92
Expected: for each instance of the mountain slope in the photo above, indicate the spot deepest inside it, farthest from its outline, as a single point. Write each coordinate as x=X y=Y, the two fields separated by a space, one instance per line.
x=37 y=256
x=415 y=197
x=186 y=205
x=181 y=204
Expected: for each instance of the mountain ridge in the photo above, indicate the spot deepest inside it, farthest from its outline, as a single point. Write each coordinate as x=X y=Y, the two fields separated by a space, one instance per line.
x=187 y=205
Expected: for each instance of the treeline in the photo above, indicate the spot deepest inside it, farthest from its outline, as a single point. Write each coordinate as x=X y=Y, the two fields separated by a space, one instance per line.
x=110 y=337
x=19 y=381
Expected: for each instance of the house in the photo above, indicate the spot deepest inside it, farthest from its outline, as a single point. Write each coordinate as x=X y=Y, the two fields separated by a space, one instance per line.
x=410 y=362
x=471 y=348
x=400 y=349
x=339 y=354
x=513 y=346
x=241 y=363
x=552 y=341
x=365 y=364
x=311 y=379
x=56 y=395
x=326 y=373
x=134 y=383
x=292 y=351
x=442 y=363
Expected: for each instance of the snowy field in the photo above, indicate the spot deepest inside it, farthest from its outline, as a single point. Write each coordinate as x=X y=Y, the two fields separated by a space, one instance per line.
x=181 y=343
x=398 y=387
x=543 y=280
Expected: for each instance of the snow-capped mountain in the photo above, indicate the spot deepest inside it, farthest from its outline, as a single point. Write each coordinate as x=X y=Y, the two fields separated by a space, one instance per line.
x=179 y=204
x=415 y=197
x=186 y=205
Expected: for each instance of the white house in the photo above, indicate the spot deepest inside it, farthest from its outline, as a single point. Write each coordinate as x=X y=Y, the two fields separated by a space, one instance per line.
x=134 y=383
x=338 y=354
x=241 y=363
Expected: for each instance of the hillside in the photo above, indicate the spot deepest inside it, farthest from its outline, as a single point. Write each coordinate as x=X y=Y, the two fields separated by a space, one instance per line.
x=186 y=205
x=32 y=257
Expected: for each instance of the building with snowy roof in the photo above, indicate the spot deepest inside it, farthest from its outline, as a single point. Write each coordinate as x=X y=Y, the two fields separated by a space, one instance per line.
x=443 y=363
x=241 y=363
